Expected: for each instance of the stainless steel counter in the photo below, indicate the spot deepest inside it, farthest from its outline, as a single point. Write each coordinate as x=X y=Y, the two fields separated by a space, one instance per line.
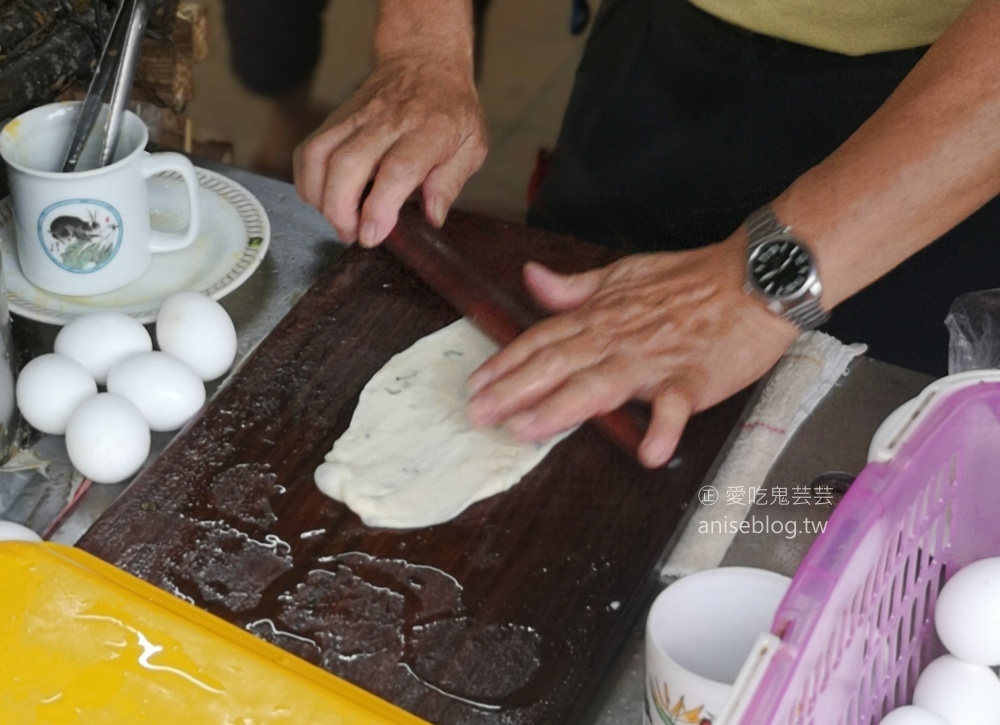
x=834 y=438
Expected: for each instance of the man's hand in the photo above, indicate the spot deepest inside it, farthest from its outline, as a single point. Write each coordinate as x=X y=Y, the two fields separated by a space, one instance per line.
x=415 y=123
x=673 y=329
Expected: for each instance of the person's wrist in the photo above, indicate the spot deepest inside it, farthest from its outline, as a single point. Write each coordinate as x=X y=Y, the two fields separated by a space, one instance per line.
x=782 y=271
x=407 y=31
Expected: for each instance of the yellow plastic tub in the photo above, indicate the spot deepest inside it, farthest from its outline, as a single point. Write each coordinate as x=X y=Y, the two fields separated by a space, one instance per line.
x=84 y=642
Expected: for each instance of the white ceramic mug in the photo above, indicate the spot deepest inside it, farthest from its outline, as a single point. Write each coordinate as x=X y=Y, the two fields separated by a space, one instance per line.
x=87 y=232
x=700 y=632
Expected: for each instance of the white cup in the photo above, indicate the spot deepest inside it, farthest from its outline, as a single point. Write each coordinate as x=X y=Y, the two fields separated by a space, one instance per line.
x=87 y=232
x=700 y=633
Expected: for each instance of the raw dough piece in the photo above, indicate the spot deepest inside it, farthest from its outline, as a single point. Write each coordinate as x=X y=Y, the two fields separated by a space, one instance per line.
x=410 y=458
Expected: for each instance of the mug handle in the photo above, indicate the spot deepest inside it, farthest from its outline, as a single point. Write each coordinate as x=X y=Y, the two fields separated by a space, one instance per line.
x=153 y=164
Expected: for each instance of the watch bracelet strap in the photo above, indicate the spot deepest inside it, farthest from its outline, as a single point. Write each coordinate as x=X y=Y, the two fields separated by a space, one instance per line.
x=808 y=316
x=762 y=223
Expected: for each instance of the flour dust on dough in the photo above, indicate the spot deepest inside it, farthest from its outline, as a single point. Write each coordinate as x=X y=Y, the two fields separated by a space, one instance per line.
x=410 y=458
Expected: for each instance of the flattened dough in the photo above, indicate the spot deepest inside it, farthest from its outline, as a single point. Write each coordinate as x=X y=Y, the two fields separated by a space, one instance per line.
x=410 y=458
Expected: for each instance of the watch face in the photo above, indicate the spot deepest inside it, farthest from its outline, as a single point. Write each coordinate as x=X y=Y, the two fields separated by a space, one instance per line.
x=781 y=268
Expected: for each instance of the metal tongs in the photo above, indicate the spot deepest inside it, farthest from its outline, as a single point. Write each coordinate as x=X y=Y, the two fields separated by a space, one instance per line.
x=116 y=67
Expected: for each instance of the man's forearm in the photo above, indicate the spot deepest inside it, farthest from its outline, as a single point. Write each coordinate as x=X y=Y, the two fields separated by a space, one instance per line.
x=436 y=27
x=921 y=164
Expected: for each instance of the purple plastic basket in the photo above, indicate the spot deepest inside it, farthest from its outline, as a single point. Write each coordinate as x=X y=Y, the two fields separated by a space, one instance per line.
x=856 y=626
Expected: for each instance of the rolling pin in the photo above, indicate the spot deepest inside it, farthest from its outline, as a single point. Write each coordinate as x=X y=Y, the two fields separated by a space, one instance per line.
x=499 y=312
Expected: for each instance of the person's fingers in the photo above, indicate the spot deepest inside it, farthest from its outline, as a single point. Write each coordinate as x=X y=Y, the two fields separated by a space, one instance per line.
x=412 y=123
x=558 y=292
x=534 y=412
x=591 y=392
x=392 y=185
x=535 y=344
x=310 y=156
x=396 y=172
x=348 y=170
x=446 y=180
x=539 y=375
x=671 y=411
x=404 y=168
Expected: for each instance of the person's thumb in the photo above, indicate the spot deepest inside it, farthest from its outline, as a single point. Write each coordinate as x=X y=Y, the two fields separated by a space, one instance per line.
x=558 y=292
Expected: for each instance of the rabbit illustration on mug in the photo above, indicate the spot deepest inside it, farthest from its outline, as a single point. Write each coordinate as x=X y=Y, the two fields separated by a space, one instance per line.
x=82 y=244
x=66 y=229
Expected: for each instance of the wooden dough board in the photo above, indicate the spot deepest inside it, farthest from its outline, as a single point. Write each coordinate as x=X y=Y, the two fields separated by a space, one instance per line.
x=510 y=613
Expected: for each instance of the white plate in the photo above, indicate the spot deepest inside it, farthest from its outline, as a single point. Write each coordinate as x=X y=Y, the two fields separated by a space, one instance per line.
x=235 y=234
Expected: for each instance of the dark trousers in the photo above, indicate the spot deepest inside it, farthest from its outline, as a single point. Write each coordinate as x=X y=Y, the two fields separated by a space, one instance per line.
x=680 y=125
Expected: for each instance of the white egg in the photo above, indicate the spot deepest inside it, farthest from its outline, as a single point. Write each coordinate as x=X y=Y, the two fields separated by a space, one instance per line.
x=967 y=613
x=107 y=438
x=9 y=531
x=912 y=715
x=165 y=389
x=199 y=331
x=50 y=388
x=100 y=339
x=958 y=691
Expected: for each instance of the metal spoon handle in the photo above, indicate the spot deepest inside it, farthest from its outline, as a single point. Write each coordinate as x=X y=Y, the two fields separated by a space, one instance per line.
x=92 y=102
x=122 y=88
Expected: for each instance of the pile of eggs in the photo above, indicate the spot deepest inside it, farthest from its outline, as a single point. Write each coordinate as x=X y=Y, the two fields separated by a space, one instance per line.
x=108 y=434
x=960 y=687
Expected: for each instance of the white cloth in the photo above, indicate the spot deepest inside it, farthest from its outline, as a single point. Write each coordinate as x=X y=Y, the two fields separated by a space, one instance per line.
x=811 y=367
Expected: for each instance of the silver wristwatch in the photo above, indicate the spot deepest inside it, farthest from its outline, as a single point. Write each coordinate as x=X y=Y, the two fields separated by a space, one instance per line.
x=782 y=272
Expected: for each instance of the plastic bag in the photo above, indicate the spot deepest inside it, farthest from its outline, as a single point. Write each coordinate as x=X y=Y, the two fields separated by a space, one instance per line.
x=973 y=324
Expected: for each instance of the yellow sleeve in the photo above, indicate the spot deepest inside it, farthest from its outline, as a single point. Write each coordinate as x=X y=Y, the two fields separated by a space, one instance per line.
x=851 y=27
